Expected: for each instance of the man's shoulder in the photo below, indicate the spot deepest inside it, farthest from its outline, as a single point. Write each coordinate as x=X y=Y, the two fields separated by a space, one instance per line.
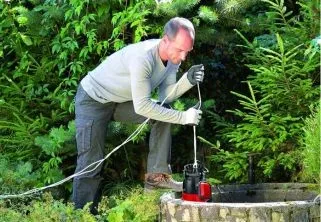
x=150 y=43
x=146 y=50
x=145 y=46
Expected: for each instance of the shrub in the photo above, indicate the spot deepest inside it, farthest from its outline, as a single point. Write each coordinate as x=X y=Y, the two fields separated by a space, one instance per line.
x=311 y=147
x=133 y=206
x=16 y=177
x=46 y=209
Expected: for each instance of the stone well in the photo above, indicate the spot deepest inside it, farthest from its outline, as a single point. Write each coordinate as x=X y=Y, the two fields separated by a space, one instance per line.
x=247 y=203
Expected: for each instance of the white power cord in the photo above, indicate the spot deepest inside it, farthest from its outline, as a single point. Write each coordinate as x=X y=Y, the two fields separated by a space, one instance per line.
x=194 y=127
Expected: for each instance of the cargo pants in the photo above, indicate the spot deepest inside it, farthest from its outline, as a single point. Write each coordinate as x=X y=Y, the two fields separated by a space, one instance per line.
x=92 y=118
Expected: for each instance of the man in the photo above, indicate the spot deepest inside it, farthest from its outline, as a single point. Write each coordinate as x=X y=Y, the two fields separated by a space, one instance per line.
x=120 y=89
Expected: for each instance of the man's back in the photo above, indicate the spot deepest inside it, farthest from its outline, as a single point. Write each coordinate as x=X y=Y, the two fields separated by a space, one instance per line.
x=112 y=80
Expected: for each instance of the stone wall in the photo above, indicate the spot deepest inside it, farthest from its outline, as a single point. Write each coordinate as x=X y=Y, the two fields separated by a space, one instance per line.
x=173 y=210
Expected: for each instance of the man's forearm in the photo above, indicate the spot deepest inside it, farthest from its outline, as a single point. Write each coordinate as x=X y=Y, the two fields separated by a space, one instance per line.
x=180 y=87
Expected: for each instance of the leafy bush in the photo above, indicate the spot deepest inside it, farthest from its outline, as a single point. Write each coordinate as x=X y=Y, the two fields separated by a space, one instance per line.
x=311 y=147
x=46 y=209
x=56 y=146
x=47 y=47
x=17 y=177
x=134 y=205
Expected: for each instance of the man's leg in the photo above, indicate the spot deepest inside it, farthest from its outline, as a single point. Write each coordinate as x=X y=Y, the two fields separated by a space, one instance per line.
x=160 y=138
x=91 y=124
x=158 y=162
x=160 y=141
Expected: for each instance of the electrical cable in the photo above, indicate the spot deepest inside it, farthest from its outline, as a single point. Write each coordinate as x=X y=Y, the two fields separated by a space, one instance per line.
x=194 y=127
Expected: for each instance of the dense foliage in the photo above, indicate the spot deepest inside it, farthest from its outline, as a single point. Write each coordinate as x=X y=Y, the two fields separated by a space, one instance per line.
x=283 y=85
x=129 y=206
x=48 y=46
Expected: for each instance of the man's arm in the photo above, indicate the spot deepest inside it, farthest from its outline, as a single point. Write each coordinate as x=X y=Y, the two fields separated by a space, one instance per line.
x=169 y=84
x=141 y=89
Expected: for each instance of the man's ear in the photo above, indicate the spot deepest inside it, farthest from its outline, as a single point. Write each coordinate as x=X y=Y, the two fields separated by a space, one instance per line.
x=165 y=39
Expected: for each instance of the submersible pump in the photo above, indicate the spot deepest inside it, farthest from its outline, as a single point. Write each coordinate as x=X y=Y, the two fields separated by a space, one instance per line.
x=195 y=187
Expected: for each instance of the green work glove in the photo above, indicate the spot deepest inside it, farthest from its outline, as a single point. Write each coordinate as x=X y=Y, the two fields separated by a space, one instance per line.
x=196 y=74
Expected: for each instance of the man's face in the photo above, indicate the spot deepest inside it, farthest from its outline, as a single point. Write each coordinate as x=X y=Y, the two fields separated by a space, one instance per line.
x=178 y=48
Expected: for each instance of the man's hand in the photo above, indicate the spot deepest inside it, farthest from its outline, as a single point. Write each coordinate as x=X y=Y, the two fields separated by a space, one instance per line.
x=196 y=74
x=192 y=116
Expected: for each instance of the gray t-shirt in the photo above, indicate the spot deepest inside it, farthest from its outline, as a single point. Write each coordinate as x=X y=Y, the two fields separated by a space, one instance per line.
x=131 y=74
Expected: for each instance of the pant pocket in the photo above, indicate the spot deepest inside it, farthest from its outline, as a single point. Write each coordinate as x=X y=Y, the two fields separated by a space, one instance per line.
x=84 y=135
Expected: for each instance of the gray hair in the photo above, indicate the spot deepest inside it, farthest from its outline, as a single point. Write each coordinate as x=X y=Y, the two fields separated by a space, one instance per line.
x=172 y=26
